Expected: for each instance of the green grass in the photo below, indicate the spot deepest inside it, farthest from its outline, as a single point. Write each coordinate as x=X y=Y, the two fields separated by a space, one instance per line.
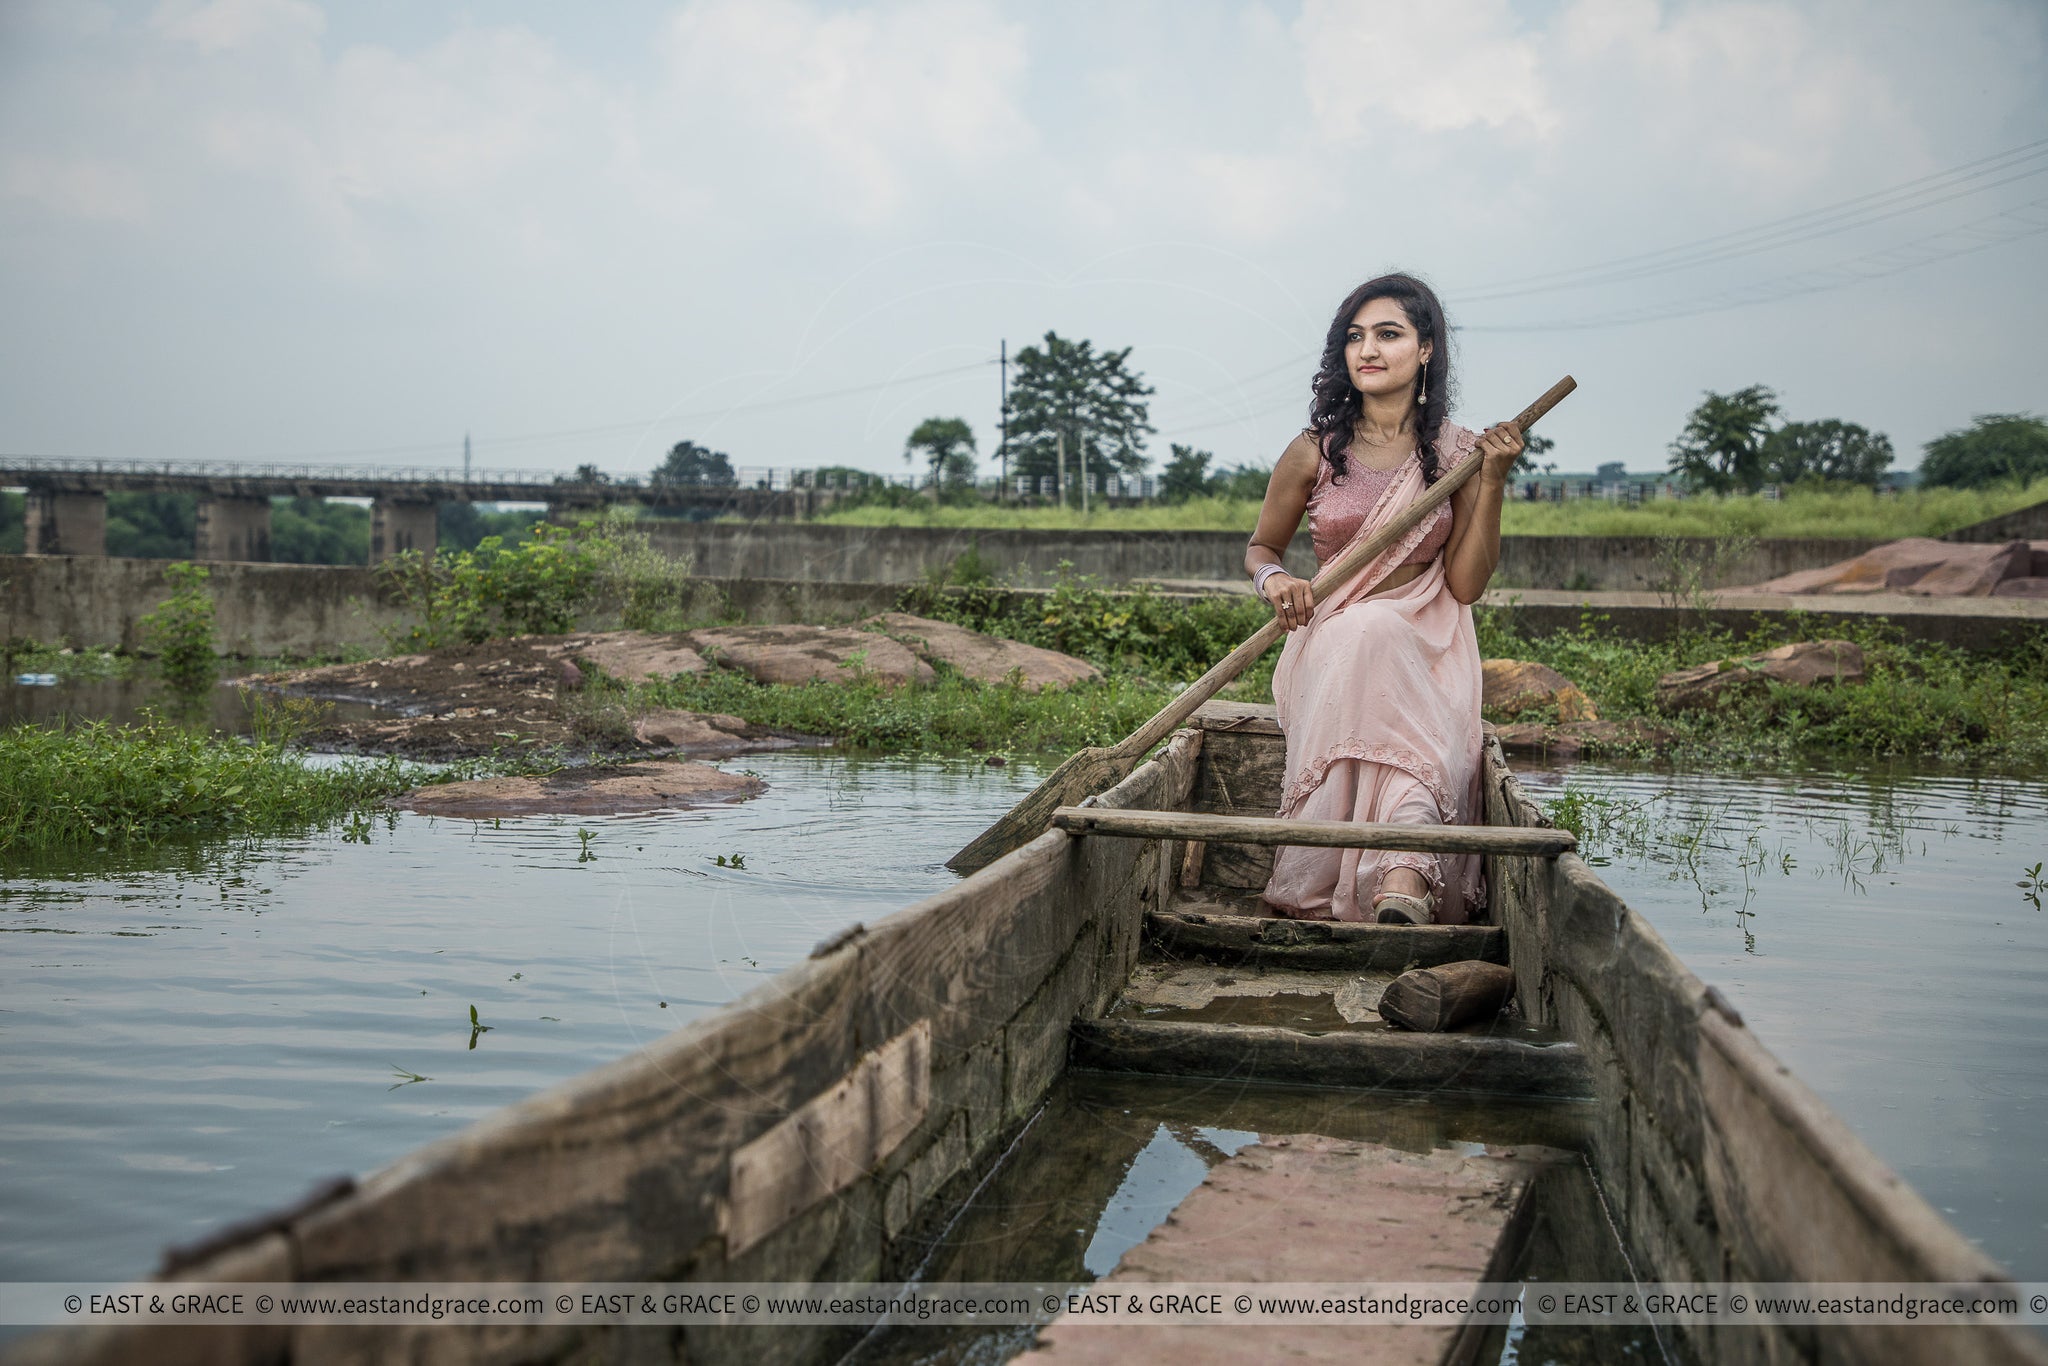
x=97 y=784
x=1836 y=513
x=1919 y=701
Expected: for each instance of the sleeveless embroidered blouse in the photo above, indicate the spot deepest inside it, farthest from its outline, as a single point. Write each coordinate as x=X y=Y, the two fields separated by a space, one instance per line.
x=1336 y=511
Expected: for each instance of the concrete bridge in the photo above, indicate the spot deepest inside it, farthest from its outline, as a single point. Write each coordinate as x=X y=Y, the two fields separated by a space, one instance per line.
x=67 y=499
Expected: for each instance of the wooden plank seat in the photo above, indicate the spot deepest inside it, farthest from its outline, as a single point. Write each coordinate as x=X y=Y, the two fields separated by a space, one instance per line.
x=1534 y=842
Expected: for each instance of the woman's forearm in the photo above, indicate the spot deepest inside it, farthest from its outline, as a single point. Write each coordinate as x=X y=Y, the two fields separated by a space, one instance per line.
x=1476 y=554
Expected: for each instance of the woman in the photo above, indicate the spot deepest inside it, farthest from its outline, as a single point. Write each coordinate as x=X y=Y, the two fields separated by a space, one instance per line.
x=1378 y=687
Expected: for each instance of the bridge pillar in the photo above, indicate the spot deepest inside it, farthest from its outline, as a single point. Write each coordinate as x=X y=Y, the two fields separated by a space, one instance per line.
x=396 y=527
x=66 y=523
x=233 y=528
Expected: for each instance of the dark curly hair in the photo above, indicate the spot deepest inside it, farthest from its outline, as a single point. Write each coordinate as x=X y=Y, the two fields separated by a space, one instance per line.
x=1335 y=403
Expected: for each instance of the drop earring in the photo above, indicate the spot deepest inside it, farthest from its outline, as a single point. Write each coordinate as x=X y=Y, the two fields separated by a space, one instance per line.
x=1422 y=393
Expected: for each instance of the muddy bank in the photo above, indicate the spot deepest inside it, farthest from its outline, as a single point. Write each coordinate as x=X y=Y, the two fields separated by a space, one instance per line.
x=528 y=692
x=661 y=785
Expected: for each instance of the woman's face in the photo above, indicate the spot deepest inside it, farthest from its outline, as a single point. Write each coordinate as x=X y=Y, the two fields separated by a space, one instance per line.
x=1382 y=352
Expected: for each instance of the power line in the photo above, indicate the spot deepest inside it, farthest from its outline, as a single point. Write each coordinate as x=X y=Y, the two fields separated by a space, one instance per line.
x=1981 y=234
x=1861 y=211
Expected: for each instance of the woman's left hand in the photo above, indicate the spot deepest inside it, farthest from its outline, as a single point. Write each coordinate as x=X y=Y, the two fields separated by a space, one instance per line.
x=1501 y=446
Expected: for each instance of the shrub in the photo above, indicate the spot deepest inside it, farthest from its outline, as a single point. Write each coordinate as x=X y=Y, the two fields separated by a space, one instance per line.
x=180 y=631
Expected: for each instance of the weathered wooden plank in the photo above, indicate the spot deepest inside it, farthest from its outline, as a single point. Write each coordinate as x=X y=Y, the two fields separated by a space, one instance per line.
x=1432 y=839
x=1242 y=718
x=1807 y=1201
x=1246 y=866
x=1187 y=929
x=1288 y=1209
x=1240 y=775
x=829 y=1141
x=1391 y=1061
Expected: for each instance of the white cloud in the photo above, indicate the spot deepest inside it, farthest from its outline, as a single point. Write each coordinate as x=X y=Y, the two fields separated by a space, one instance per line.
x=221 y=26
x=860 y=112
x=1374 y=70
x=84 y=187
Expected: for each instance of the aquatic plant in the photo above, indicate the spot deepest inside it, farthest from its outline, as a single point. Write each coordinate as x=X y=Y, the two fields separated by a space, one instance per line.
x=180 y=631
x=100 y=784
x=732 y=861
x=405 y=1078
x=583 y=839
x=477 y=1028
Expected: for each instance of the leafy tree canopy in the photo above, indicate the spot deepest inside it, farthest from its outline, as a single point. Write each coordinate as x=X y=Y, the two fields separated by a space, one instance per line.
x=1186 y=475
x=315 y=531
x=1722 y=447
x=946 y=446
x=153 y=526
x=1994 y=448
x=1093 y=399
x=689 y=463
x=1535 y=445
x=1830 y=451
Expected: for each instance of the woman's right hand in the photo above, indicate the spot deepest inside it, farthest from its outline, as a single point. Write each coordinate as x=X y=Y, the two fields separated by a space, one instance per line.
x=1291 y=599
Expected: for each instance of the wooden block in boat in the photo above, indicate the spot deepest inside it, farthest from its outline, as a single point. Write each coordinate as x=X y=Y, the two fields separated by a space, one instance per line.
x=1390 y=1061
x=1310 y=1209
x=1237 y=718
x=1432 y=1000
x=1189 y=929
x=1239 y=865
x=1240 y=775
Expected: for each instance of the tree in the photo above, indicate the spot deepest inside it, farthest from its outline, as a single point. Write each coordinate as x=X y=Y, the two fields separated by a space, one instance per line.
x=314 y=531
x=689 y=463
x=1995 y=447
x=946 y=445
x=1067 y=389
x=1837 y=452
x=1186 y=475
x=585 y=474
x=1533 y=445
x=152 y=526
x=1722 y=446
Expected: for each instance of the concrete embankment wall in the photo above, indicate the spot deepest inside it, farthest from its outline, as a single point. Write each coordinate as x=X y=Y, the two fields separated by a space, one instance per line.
x=863 y=554
x=305 y=611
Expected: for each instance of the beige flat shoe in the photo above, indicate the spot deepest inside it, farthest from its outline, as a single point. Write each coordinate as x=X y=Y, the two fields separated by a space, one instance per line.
x=1398 y=908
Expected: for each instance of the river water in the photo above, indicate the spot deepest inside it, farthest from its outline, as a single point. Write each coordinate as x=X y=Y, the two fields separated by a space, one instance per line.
x=202 y=1033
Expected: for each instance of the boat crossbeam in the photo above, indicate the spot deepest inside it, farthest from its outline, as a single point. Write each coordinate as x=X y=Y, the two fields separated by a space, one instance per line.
x=1429 y=839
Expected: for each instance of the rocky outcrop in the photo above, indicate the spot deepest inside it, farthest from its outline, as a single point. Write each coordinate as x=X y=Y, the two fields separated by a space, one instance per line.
x=984 y=658
x=1805 y=663
x=705 y=735
x=660 y=785
x=806 y=654
x=1922 y=567
x=1515 y=686
x=633 y=656
x=1576 y=739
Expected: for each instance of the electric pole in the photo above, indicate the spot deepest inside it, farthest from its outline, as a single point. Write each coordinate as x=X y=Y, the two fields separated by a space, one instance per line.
x=1003 y=442
x=465 y=457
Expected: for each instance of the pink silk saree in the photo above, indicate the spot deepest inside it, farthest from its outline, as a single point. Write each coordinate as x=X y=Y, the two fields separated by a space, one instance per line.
x=1379 y=701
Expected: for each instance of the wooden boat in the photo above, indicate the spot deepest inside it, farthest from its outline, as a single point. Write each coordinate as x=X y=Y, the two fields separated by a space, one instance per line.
x=820 y=1128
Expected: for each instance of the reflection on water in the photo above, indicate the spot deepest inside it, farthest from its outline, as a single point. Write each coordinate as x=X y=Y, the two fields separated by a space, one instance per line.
x=1872 y=931
x=124 y=700
x=202 y=1032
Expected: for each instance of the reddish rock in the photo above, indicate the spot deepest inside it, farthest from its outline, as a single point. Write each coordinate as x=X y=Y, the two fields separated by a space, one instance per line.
x=802 y=654
x=1576 y=738
x=1916 y=565
x=984 y=658
x=704 y=735
x=1513 y=686
x=661 y=785
x=1802 y=664
x=2032 y=587
x=632 y=656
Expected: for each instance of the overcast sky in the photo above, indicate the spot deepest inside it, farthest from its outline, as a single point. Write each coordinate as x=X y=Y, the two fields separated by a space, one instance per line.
x=254 y=229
